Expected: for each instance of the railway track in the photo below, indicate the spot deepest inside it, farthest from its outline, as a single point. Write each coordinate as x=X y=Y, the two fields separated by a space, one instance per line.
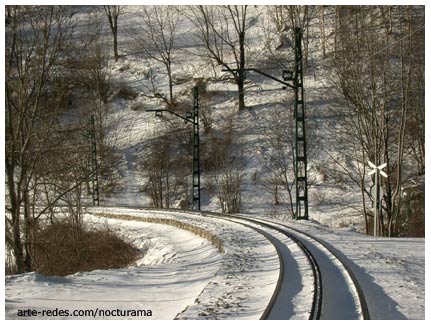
x=336 y=293
x=276 y=307
x=341 y=262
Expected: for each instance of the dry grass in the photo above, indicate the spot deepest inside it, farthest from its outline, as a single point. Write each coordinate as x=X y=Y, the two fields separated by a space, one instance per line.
x=63 y=249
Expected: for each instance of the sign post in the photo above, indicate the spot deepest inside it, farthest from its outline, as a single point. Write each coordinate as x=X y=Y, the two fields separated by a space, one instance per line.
x=376 y=191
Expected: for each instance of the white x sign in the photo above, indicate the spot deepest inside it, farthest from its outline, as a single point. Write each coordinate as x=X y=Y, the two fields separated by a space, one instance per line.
x=375 y=168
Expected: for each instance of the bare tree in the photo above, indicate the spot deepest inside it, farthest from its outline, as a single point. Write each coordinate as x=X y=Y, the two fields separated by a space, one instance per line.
x=36 y=39
x=323 y=32
x=46 y=148
x=285 y=19
x=165 y=170
x=112 y=13
x=98 y=87
x=414 y=48
x=228 y=184
x=279 y=159
x=224 y=162
x=89 y=74
x=226 y=167
x=157 y=38
x=374 y=74
x=223 y=31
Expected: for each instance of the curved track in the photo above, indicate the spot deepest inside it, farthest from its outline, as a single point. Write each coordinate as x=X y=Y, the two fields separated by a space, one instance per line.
x=342 y=296
x=336 y=292
x=276 y=308
x=361 y=300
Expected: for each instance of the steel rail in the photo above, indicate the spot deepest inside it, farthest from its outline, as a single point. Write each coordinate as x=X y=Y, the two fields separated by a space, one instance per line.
x=361 y=296
x=316 y=306
x=318 y=287
x=315 y=309
x=280 y=279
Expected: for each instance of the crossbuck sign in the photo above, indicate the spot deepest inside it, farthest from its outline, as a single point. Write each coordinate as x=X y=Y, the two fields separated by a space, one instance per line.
x=379 y=168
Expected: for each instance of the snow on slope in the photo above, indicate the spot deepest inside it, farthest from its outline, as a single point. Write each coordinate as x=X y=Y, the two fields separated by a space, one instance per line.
x=169 y=277
x=392 y=271
x=184 y=276
x=394 y=268
x=181 y=276
x=330 y=203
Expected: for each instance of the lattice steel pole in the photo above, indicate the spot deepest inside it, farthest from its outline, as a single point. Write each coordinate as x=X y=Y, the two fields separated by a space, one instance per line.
x=193 y=118
x=300 y=150
x=195 y=151
x=300 y=139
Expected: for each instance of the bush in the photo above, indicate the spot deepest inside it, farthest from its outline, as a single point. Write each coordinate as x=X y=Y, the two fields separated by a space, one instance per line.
x=126 y=92
x=412 y=212
x=63 y=249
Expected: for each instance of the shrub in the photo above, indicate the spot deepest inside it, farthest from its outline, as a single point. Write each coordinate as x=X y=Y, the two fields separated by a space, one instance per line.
x=126 y=92
x=63 y=249
x=412 y=212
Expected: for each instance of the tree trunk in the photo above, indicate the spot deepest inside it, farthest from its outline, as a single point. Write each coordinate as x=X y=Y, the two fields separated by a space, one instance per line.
x=241 y=74
x=28 y=231
x=322 y=32
x=16 y=247
x=116 y=56
x=241 y=101
x=171 y=84
x=336 y=29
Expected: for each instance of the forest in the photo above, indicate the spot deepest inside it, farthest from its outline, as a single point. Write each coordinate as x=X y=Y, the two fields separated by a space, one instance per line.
x=79 y=80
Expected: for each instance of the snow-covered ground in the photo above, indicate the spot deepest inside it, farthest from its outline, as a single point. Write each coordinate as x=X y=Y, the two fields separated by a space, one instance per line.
x=166 y=280
x=332 y=204
x=184 y=276
x=181 y=275
x=392 y=270
x=333 y=200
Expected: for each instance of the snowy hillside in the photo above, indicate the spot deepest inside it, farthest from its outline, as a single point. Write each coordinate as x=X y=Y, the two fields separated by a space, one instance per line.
x=333 y=195
x=134 y=128
x=144 y=159
x=183 y=276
